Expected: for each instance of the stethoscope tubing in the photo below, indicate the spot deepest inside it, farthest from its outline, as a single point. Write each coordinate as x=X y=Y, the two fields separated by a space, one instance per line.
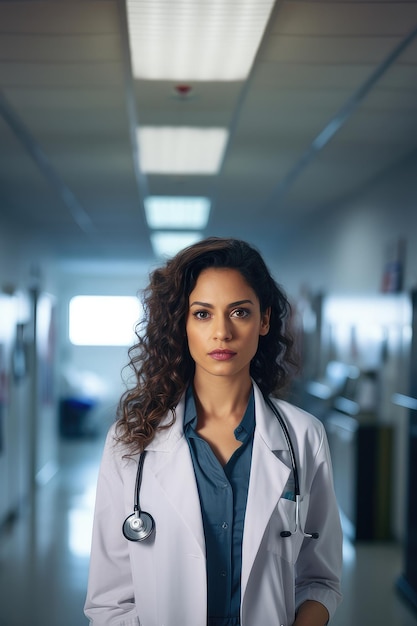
x=290 y=447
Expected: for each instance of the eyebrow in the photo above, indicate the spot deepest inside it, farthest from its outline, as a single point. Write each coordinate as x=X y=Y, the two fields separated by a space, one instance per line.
x=210 y=306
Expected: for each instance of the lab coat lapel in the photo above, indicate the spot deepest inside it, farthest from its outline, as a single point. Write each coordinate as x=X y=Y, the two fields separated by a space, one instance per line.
x=268 y=478
x=172 y=468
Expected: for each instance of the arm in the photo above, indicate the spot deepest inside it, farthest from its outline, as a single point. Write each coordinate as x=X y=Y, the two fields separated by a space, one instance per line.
x=110 y=596
x=311 y=613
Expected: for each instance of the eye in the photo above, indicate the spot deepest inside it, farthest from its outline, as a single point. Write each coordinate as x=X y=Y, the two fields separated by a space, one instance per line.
x=240 y=313
x=201 y=315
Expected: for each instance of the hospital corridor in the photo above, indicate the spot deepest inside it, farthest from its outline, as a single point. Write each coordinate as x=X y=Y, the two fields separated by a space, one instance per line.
x=130 y=131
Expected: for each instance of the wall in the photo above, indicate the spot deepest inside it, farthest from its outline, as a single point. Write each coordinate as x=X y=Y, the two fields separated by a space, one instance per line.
x=9 y=260
x=28 y=454
x=344 y=249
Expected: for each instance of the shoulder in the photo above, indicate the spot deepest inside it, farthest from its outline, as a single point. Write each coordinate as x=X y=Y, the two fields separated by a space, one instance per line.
x=116 y=454
x=291 y=413
x=304 y=427
x=166 y=437
x=294 y=414
x=113 y=441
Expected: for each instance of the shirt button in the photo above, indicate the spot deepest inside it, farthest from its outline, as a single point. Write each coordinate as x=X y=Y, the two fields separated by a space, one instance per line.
x=239 y=429
x=225 y=525
x=223 y=574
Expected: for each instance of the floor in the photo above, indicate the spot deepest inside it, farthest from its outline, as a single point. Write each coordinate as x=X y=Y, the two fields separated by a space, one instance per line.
x=44 y=557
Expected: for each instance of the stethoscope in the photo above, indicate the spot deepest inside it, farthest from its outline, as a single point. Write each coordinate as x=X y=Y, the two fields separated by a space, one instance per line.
x=140 y=525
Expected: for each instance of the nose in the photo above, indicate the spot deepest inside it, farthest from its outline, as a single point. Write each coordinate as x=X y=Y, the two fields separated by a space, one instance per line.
x=223 y=328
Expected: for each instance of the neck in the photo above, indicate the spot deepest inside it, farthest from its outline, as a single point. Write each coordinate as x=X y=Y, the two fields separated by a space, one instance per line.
x=220 y=398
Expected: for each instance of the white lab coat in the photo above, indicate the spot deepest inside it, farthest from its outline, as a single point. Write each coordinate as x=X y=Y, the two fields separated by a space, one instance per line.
x=162 y=581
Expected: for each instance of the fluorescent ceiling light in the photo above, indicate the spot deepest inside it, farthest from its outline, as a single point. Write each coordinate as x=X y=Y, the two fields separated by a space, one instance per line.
x=177 y=212
x=181 y=149
x=181 y=40
x=168 y=244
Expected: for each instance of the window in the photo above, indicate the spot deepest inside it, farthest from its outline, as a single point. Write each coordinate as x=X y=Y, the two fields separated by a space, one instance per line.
x=103 y=320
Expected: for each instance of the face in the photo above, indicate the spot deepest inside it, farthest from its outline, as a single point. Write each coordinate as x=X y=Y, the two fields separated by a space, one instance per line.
x=224 y=323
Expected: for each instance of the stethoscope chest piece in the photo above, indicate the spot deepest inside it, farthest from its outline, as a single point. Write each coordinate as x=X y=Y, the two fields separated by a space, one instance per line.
x=138 y=527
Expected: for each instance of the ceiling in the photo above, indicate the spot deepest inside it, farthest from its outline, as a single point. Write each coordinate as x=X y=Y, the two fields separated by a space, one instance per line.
x=329 y=105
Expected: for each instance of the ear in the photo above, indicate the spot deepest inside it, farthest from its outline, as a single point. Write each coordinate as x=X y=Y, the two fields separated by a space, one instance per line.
x=265 y=317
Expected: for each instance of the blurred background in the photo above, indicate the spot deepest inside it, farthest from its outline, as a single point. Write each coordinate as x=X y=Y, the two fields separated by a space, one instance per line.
x=131 y=129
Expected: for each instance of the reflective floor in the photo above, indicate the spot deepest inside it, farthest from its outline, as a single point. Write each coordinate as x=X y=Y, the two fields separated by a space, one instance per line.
x=44 y=557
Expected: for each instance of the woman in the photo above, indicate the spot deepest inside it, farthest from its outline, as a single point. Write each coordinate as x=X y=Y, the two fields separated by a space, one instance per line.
x=227 y=548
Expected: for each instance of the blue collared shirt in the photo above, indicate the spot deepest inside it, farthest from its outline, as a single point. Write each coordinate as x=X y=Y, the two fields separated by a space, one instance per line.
x=223 y=494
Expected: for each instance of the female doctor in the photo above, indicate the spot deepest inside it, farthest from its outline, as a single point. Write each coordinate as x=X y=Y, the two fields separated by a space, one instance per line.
x=235 y=520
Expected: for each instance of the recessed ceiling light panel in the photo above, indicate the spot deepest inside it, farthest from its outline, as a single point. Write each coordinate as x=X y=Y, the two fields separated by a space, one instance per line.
x=177 y=212
x=211 y=40
x=167 y=244
x=181 y=149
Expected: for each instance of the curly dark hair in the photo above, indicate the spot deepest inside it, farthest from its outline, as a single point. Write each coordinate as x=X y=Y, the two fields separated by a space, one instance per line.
x=160 y=360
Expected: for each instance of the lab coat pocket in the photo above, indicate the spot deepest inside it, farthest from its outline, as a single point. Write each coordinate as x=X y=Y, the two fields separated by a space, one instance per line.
x=283 y=520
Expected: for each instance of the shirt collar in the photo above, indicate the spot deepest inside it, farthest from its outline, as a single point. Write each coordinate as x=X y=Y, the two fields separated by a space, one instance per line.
x=190 y=412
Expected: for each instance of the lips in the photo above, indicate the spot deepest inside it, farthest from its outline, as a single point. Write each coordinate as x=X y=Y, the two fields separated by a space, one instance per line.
x=222 y=355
